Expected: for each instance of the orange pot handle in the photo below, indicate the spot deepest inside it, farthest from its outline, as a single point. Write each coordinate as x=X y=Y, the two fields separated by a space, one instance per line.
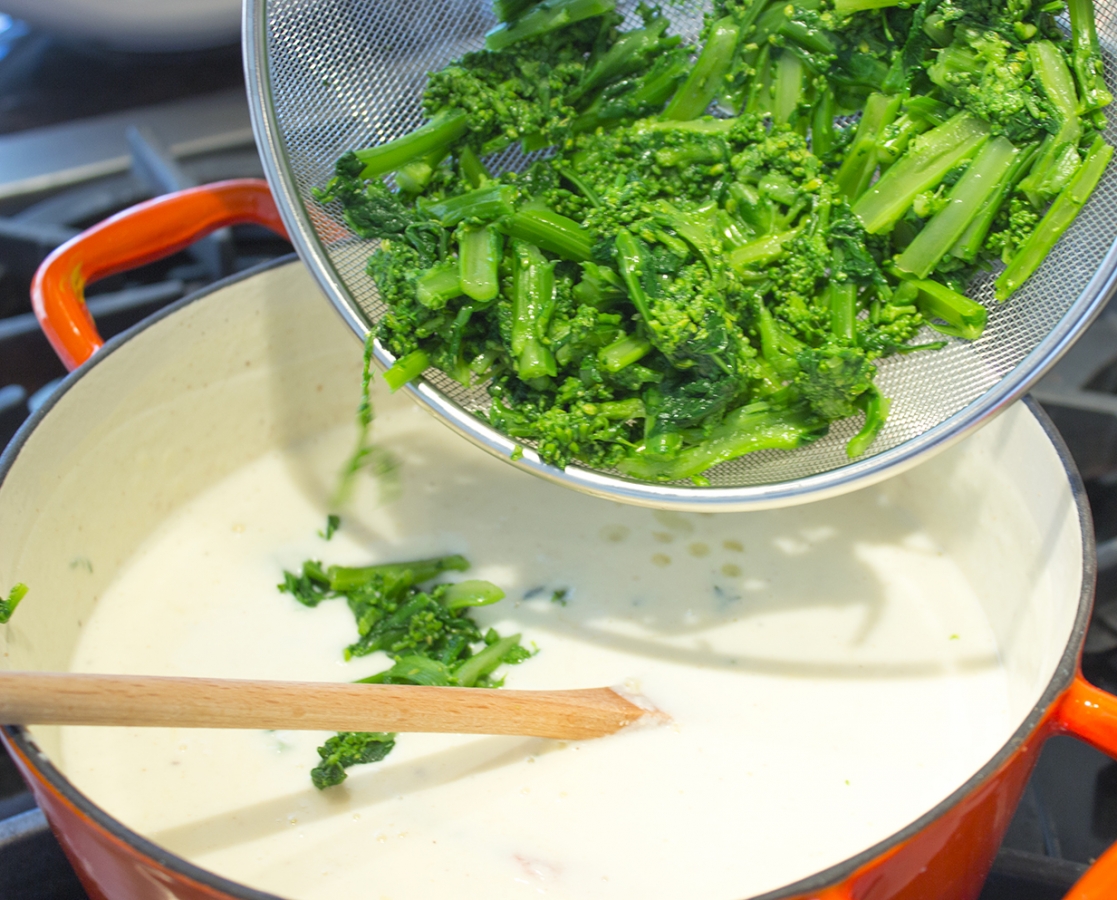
x=138 y=235
x=838 y=892
x=1090 y=714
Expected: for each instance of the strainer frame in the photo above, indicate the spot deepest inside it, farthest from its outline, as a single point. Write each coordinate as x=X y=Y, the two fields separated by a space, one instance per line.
x=848 y=477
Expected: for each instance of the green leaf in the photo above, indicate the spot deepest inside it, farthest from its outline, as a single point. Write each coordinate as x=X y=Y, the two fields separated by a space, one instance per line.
x=349 y=748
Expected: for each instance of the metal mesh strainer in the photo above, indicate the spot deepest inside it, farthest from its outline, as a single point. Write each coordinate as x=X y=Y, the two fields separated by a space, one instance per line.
x=327 y=76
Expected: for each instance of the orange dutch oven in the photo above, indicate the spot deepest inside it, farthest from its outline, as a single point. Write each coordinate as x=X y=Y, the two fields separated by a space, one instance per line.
x=61 y=477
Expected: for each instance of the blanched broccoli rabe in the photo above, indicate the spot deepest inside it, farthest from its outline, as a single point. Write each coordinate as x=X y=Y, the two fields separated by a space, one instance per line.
x=706 y=263
x=8 y=605
x=427 y=633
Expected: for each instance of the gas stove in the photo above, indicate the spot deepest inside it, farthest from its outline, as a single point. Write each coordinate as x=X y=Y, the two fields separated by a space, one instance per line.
x=83 y=135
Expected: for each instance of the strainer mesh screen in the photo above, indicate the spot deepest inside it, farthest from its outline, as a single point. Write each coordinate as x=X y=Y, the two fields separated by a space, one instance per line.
x=347 y=74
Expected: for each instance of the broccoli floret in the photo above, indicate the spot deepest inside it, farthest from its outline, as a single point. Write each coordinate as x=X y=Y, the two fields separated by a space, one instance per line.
x=683 y=314
x=831 y=379
x=395 y=268
x=576 y=423
x=1014 y=226
x=349 y=748
x=525 y=92
x=984 y=74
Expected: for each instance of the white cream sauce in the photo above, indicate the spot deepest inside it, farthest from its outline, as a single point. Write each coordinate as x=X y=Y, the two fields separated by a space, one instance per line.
x=830 y=673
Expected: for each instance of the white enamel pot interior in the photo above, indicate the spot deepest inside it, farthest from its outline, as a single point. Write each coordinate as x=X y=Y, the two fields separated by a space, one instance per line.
x=185 y=399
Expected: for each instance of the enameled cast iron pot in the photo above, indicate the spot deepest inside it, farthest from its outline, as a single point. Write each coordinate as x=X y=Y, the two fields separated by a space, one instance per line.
x=260 y=360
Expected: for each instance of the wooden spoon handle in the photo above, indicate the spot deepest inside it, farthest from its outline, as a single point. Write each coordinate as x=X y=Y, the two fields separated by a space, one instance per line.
x=57 y=698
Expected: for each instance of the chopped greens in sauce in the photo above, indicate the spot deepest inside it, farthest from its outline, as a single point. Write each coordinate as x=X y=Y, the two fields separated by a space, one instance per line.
x=8 y=606
x=427 y=632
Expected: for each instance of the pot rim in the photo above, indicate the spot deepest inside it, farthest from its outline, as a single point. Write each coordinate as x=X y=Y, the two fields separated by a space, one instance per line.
x=45 y=769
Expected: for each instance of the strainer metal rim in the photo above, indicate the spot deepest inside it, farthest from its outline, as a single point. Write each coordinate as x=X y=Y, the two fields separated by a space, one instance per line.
x=846 y=478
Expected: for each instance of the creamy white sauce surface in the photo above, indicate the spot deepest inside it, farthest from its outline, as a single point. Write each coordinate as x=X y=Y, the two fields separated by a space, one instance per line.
x=829 y=671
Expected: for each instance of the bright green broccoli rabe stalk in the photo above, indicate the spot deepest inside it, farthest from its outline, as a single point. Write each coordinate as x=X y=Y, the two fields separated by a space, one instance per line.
x=9 y=604
x=428 y=633
x=706 y=262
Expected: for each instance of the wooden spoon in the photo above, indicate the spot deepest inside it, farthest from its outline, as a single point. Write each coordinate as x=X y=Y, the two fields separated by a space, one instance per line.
x=61 y=698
